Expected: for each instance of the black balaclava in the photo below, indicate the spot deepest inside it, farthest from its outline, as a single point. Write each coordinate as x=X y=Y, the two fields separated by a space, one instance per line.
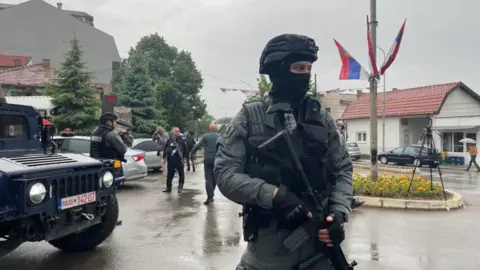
x=287 y=86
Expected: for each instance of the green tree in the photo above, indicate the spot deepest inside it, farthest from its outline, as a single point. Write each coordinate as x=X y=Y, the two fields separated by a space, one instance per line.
x=264 y=86
x=76 y=101
x=136 y=91
x=175 y=79
x=201 y=126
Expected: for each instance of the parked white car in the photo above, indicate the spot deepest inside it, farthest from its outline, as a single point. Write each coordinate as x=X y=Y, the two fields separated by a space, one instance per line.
x=354 y=150
x=134 y=169
x=150 y=147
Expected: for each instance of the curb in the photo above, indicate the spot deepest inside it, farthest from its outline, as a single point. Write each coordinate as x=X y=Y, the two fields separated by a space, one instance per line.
x=380 y=166
x=383 y=168
x=455 y=202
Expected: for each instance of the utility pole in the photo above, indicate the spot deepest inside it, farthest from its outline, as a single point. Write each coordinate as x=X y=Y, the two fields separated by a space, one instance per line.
x=315 y=85
x=373 y=95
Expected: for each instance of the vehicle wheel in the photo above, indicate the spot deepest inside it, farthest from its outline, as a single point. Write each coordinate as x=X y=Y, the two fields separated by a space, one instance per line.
x=94 y=236
x=383 y=160
x=416 y=162
x=156 y=170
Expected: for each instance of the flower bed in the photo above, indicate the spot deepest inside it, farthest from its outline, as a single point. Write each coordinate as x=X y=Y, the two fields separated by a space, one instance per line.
x=396 y=186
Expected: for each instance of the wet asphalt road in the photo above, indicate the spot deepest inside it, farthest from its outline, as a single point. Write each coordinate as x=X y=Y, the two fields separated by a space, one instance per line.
x=175 y=231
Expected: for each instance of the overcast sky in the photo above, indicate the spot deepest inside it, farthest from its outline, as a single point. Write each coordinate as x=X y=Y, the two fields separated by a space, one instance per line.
x=226 y=37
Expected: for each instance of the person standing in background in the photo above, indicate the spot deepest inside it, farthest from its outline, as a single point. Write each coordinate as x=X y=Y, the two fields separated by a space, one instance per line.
x=160 y=137
x=173 y=155
x=127 y=137
x=190 y=140
x=209 y=143
x=472 y=150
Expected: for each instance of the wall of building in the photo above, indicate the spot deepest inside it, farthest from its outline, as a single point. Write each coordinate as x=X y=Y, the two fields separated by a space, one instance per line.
x=360 y=126
x=337 y=103
x=459 y=103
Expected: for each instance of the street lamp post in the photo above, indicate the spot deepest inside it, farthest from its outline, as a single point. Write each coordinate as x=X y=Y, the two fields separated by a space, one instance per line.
x=384 y=99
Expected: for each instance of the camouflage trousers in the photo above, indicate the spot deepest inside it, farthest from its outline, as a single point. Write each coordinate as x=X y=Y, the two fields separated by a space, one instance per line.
x=268 y=252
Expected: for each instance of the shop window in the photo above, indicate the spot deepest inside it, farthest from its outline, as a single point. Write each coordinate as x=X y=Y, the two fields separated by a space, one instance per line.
x=458 y=146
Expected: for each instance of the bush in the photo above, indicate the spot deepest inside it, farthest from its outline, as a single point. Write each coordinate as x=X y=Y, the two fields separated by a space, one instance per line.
x=393 y=186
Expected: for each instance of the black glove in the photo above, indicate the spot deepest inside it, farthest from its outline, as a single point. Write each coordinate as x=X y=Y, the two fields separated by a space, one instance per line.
x=336 y=229
x=291 y=208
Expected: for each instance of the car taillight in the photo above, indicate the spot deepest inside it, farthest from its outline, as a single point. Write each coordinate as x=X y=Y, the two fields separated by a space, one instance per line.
x=138 y=157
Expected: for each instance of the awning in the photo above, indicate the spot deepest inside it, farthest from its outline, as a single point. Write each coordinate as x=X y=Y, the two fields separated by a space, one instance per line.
x=456 y=127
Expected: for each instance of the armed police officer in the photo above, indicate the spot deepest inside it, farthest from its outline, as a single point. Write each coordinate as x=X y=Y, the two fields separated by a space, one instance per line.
x=105 y=143
x=271 y=194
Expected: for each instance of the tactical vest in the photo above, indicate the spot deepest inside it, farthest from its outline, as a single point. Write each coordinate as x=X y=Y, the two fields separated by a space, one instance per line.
x=311 y=137
x=98 y=145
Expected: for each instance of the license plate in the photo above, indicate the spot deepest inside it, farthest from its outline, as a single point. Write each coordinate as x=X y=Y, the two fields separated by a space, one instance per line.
x=77 y=200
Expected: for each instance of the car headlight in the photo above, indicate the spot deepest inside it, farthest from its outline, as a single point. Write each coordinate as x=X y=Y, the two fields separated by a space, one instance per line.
x=37 y=193
x=107 y=179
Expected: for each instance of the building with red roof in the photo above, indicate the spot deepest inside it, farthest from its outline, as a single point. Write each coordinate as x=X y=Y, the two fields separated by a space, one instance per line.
x=24 y=85
x=452 y=109
x=11 y=61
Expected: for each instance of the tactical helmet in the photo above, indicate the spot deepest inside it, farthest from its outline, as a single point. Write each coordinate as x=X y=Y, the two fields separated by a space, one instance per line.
x=282 y=46
x=108 y=116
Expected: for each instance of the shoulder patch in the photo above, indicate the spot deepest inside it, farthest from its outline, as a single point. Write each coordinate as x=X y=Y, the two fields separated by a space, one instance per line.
x=228 y=131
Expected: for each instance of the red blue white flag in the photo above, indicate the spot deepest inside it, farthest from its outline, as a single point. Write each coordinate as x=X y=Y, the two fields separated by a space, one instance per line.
x=351 y=69
x=373 y=62
x=392 y=54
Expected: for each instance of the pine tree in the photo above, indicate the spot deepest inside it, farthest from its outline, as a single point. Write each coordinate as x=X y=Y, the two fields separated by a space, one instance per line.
x=76 y=101
x=136 y=91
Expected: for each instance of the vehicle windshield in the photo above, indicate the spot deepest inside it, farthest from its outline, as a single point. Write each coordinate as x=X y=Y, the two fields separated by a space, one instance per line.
x=13 y=127
x=352 y=144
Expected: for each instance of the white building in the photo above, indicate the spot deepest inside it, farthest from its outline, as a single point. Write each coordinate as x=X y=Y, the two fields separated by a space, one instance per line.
x=452 y=109
x=43 y=104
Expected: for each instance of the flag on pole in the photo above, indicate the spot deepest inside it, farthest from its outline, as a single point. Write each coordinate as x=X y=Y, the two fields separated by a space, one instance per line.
x=392 y=54
x=351 y=69
x=373 y=62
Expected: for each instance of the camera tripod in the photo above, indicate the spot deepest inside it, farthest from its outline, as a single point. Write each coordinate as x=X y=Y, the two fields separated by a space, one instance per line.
x=427 y=140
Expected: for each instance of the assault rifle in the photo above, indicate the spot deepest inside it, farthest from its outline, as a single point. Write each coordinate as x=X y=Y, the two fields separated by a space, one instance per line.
x=321 y=211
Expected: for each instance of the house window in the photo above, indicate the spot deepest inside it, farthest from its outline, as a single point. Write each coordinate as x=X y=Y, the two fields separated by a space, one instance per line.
x=472 y=136
x=447 y=142
x=451 y=141
x=457 y=146
x=361 y=137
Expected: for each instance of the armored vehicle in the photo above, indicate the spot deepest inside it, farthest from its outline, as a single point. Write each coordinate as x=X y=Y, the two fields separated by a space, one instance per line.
x=68 y=200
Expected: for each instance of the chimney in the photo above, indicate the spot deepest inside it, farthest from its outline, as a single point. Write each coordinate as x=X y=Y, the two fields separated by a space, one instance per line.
x=59 y=5
x=46 y=63
x=359 y=93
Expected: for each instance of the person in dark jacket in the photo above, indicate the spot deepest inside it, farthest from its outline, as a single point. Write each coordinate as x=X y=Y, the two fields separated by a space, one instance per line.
x=173 y=154
x=190 y=140
x=209 y=143
x=105 y=143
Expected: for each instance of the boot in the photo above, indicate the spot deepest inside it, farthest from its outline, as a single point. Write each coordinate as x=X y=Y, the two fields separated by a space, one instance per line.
x=208 y=201
x=167 y=190
x=180 y=189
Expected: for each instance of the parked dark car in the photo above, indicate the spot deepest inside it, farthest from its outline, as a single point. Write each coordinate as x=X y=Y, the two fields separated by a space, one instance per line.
x=410 y=155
